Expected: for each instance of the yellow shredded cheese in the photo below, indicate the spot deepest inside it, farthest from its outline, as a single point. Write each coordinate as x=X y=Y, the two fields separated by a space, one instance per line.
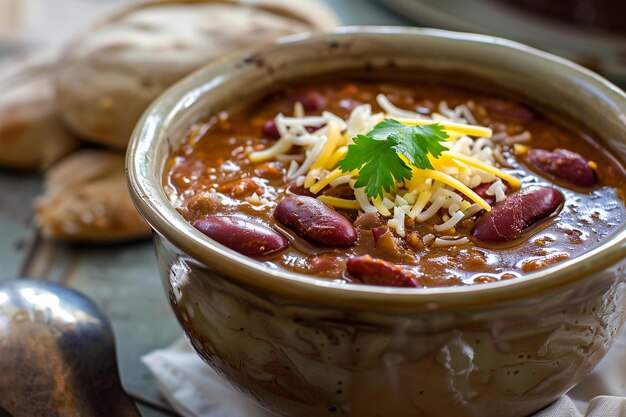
x=520 y=149
x=340 y=203
x=334 y=136
x=421 y=202
x=515 y=183
x=282 y=146
x=454 y=183
x=451 y=127
x=378 y=203
x=319 y=186
x=310 y=178
x=464 y=205
x=344 y=140
x=337 y=156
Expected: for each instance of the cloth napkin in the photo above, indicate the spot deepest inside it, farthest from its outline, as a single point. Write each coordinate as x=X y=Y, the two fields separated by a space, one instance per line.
x=195 y=390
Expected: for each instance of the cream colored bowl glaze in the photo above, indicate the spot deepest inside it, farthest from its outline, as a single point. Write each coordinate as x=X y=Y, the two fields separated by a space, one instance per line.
x=303 y=346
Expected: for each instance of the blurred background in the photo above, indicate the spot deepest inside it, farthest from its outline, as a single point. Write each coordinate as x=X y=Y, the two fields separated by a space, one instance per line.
x=591 y=32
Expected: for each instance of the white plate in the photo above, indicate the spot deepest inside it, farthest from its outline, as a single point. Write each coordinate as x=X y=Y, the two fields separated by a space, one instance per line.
x=603 y=53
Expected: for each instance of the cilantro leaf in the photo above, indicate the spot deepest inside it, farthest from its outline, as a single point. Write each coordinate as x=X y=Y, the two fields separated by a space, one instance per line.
x=414 y=142
x=376 y=155
x=378 y=164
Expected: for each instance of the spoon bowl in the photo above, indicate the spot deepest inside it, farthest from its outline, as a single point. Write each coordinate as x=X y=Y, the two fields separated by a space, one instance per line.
x=57 y=354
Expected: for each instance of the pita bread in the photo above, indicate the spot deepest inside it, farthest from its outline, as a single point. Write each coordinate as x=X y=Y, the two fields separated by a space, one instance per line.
x=31 y=134
x=86 y=200
x=110 y=74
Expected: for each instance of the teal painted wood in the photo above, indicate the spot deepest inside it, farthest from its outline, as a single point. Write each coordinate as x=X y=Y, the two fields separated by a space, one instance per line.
x=17 y=193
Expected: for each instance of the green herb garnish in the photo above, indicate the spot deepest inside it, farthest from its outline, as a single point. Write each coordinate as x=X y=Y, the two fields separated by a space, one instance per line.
x=377 y=154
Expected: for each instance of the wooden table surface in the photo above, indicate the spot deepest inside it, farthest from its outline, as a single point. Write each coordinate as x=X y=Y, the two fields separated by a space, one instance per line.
x=123 y=280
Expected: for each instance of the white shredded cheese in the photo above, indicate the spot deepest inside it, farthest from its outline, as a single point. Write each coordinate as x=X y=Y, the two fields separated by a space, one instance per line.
x=392 y=110
x=344 y=179
x=363 y=201
x=398 y=216
x=451 y=242
x=428 y=238
x=451 y=222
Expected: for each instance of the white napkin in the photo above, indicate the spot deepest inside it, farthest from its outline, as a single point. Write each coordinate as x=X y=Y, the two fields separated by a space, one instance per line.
x=195 y=390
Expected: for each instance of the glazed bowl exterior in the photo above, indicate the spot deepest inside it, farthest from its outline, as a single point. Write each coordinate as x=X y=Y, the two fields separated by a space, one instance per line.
x=302 y=346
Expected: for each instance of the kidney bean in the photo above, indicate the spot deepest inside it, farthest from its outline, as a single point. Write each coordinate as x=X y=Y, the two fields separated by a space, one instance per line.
x=270 y=130
x=508 y=110
x=368 y=221
x=311 y=100
x=315 y=222
x=481 y=190
x=241 y=235
x=375 y=271
x=386 y=245
x=201 y=205
x=511 y=217
x=378 y=232
x=564 y=165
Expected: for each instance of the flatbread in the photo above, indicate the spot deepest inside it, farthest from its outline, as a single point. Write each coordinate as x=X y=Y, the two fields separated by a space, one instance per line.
x=86 y=200
x=111 y=73
x=32 y=137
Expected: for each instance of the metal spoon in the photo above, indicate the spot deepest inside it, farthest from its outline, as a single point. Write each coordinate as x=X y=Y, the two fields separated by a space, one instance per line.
x=57 y=355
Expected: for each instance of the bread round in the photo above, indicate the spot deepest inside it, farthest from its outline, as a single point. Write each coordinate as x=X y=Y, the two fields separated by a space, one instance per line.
x=109 y=75
x=86 y=200
x=31 y=134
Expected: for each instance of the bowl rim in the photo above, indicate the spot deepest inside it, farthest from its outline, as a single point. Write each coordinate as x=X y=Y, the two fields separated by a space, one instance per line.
x=150 y=199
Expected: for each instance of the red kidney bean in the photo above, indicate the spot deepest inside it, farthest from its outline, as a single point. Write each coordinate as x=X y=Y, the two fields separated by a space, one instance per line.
x=375 y=271
x=511 y=217
x=481 y=190
x=270 y=130
x=311 y=100
x=241 y=235
x=378 y=232
x=564 y=165
x=508 y=110
x=368 y=221
x=315 y=222
x=312 y=129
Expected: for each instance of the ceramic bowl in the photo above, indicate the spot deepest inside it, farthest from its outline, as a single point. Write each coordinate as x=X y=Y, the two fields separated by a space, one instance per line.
x=302 y=346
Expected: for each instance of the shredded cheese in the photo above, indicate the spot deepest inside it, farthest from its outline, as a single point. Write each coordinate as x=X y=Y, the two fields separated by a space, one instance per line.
x=340 y=203
x=515 y=182
x=381 y=207
x=463 y=129
x=454 y=183
x=325 y=181
x=471 y=158
x=334 y=136
x=337 y=156
x=282 y=146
